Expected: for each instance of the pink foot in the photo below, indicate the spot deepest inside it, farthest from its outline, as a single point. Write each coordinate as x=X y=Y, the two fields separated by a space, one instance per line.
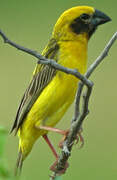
x=62 y=171
x=79 y=137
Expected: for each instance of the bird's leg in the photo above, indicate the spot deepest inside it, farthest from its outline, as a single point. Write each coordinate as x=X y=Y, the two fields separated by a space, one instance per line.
x=53 y=167
x=79 y=136
x=50 y=145
x=59 y=131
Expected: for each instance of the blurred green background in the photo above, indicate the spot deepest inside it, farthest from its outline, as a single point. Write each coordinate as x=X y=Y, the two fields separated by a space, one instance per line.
x=30 y=23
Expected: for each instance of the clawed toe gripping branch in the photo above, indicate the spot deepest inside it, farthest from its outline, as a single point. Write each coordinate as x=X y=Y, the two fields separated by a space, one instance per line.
x=79 y=113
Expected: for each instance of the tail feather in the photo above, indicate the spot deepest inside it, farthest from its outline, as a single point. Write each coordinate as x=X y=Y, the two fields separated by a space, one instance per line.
x=19 y=164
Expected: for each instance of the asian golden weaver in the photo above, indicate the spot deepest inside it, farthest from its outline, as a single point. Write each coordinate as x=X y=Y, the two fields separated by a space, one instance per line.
x=51 y=92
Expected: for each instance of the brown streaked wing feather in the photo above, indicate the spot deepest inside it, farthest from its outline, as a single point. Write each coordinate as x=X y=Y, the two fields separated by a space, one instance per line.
x=42 y=76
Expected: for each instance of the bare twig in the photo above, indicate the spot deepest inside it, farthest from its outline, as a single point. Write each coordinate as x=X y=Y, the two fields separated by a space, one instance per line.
x=78 y=117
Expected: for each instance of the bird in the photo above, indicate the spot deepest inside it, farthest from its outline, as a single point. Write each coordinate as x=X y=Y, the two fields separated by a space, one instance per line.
x=51 y=92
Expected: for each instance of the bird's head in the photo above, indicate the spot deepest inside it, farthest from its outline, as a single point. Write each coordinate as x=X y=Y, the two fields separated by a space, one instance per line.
x=78 y=21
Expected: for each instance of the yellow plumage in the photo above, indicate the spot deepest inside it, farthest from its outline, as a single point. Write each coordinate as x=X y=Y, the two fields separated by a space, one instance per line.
x=59 y=94
x=56 y=97
x=51 y=92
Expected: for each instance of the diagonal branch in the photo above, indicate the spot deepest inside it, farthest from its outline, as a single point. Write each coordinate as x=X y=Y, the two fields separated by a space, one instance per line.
x=43 y=60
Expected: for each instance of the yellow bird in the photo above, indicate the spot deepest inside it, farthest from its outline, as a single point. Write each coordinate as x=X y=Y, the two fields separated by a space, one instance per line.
x=51 y=92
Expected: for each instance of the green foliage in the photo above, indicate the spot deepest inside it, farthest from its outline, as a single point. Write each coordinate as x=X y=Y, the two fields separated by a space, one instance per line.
x=5 y=173
x=56 y=178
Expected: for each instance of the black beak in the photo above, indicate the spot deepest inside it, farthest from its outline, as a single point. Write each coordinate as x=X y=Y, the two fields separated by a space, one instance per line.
x=100 y=18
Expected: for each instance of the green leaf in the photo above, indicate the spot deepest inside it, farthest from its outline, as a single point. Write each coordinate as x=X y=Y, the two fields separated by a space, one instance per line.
x=3 y=135
x=57 y=178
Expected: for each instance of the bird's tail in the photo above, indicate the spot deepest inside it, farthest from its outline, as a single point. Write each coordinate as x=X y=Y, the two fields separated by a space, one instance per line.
x=19 y=163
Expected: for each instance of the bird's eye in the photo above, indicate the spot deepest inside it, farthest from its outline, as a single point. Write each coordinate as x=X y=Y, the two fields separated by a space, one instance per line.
x=85 y=17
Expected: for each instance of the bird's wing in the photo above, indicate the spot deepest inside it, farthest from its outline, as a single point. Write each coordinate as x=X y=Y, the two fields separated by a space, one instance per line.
x=43 y=74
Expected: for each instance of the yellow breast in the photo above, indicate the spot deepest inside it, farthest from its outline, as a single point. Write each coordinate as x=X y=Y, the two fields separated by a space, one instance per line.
x=60 y=92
